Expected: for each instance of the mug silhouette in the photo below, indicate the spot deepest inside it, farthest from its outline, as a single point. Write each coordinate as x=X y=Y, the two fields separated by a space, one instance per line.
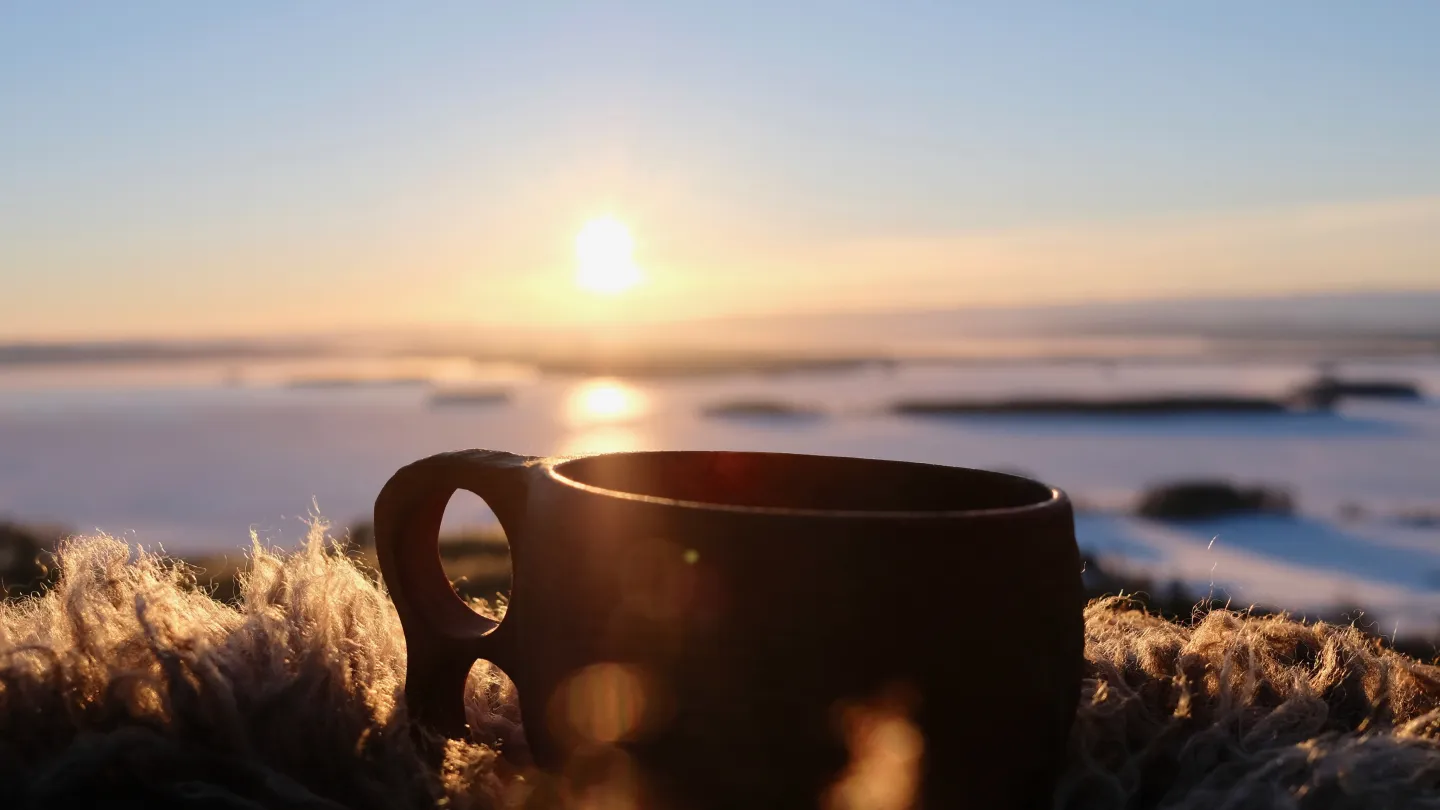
x=758 y=629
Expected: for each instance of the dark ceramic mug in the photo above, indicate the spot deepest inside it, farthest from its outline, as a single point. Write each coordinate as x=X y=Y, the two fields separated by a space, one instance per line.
x=759 y=629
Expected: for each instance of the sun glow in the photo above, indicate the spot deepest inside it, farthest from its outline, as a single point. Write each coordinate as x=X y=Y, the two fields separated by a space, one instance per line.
x=604 y=257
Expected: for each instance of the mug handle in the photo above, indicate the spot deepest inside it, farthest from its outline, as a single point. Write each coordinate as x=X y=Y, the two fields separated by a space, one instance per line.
x=443 y=636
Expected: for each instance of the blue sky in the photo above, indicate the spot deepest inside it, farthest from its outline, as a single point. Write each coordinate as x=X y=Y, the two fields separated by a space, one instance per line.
x=184 y=168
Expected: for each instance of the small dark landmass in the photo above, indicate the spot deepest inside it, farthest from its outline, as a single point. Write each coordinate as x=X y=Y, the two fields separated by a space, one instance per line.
x=698 y=364
x=1326 y=391
x=763 y=409
x=1321 y=395
x=1197 y=500
x=328 y=383
x=157 y=351
x=1419 y=519
x=1119 y=406
x=468 y=397
x=1351 y=512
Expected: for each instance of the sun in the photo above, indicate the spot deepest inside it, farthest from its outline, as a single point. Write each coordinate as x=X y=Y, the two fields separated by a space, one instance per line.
x=603 y=255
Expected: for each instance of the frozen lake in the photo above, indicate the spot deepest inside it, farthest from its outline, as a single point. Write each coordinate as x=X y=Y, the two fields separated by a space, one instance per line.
x=193 y=458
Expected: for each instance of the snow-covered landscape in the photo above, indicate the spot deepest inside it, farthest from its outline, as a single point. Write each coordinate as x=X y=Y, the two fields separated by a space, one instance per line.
x=193 y=457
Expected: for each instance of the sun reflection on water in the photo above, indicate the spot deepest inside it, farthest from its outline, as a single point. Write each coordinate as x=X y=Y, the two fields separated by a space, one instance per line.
x=602 y=439
x=604 y=400
x=601 y=414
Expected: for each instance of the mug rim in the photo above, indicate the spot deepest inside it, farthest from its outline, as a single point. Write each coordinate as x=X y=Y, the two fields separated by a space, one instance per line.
x=551 y=466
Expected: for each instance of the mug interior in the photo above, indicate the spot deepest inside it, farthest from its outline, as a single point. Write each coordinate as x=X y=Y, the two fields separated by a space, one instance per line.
x=803 y=483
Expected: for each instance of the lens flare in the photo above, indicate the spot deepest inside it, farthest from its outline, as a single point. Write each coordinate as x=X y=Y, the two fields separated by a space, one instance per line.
x=602 y=703
x=886 y=752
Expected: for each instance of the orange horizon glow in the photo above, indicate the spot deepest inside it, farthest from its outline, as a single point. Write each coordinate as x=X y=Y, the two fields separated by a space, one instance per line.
x=514 y=272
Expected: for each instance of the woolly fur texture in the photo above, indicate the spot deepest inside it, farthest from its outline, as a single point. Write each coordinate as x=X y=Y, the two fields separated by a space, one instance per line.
x=125 y=686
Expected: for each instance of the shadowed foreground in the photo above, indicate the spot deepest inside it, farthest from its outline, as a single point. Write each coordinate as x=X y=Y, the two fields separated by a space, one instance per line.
x=125 y=684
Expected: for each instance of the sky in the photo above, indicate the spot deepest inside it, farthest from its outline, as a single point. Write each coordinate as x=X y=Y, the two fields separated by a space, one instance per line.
x=205 y=169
